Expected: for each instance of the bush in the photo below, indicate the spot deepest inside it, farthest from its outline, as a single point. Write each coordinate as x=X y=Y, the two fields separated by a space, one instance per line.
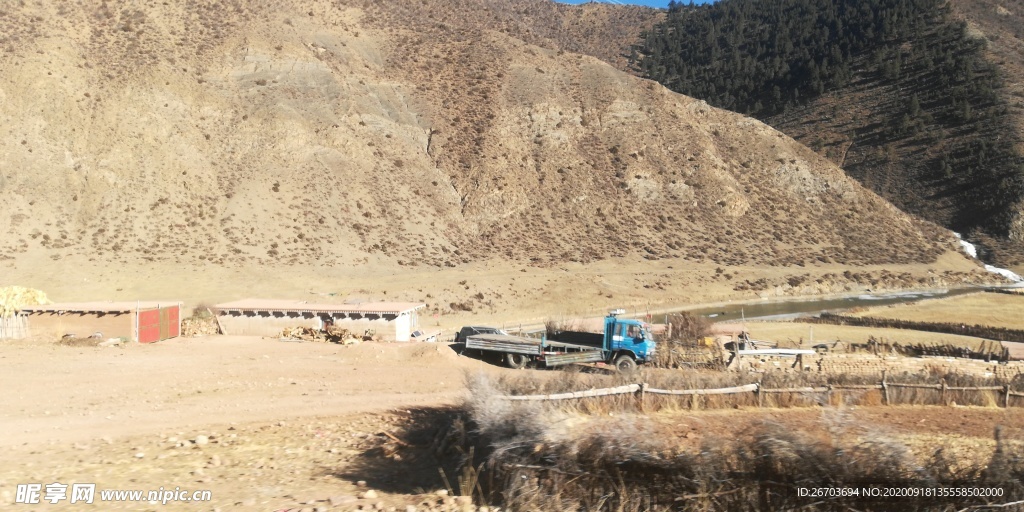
x=202 y=311
x=683 y=347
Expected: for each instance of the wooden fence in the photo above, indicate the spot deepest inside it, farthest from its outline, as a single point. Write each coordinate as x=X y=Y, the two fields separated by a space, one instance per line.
x=641 y=390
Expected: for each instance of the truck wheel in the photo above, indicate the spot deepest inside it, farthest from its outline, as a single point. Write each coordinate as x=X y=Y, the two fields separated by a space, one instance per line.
x=516 y=361
x=625 y=364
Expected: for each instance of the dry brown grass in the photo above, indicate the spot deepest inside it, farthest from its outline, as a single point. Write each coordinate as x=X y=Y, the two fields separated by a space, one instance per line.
x=532 y=383
x=80 y=342
x=807 y=335
x=545 y=456
x=989 y=309
x=685 y=348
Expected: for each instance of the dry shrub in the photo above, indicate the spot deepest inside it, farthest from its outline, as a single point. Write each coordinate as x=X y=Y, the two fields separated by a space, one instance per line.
x=501 y=418
x=683 y=347
x=202 y=311
x=461 y=306
x=72 y=341
x=554 y=326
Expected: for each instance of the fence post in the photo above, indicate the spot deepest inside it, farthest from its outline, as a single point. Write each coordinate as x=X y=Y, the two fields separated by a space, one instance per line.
x=828 y=395
x=760 y=396
x=643 y=395
x=942 y=399
x=885 y=389
x=1006 y=397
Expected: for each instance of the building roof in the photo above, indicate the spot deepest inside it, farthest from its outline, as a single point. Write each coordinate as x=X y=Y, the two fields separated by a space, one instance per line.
x=97 y=307
x=377 y=308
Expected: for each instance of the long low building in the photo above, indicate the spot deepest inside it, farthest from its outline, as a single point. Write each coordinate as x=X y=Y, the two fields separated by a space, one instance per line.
x=141 y=321
x=261 y=317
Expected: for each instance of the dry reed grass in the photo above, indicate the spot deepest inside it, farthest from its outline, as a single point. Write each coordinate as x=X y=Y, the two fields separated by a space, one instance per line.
x=828 y=390
x=988 y=309
x=604 y=454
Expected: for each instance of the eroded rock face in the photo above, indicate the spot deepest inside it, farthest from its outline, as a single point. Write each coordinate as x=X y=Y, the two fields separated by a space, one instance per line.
x=243 y=135
x=1017 y=225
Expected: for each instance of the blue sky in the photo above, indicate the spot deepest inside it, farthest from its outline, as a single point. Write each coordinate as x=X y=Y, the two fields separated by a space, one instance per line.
x=648 y=3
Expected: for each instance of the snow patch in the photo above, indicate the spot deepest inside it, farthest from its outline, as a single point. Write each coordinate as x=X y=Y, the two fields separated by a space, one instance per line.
x=1009 y=274
x=968 y=247
x=972 y=251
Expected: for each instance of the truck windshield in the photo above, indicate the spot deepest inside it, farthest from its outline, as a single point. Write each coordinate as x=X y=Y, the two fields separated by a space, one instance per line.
x=645 y=332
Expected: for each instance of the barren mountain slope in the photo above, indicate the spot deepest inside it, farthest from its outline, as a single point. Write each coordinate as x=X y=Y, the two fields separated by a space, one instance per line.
x=600 y=30
x=347 y=133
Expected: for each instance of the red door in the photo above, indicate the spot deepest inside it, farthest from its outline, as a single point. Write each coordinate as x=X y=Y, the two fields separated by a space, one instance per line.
x=173 y=322
x=149 y=326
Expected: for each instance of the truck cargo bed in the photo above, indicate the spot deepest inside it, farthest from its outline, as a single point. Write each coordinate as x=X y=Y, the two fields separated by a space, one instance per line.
x=554 y=352
x=586 y=356
x=587 y=339
x=504 y=343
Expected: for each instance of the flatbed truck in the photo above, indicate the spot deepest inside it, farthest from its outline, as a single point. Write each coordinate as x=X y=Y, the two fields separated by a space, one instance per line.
x=624 y=344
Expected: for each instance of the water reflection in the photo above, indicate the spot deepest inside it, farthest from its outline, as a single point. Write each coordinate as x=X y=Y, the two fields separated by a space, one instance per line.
x=782 y=309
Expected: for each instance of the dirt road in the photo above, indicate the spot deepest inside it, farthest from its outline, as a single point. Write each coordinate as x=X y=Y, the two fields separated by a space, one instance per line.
x=129 y=418
x=57 y=394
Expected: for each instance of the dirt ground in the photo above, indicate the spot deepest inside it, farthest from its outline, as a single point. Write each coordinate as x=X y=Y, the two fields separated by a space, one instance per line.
x=84 y=413
x=293 y=425
x=59 y=394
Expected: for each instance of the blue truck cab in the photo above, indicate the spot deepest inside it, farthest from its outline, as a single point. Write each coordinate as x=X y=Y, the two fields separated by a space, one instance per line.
x=627 y=337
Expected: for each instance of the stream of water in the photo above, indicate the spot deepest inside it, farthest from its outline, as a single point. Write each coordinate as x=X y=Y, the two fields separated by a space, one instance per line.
x=781 y=309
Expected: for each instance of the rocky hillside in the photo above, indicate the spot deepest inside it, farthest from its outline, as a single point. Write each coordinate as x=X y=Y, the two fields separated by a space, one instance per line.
x=433 y=134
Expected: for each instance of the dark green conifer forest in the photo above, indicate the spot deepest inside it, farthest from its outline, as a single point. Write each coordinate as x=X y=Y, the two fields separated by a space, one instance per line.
x=900 y=93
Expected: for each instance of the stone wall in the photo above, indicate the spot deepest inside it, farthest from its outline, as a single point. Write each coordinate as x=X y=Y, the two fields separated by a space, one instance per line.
x=870 y=364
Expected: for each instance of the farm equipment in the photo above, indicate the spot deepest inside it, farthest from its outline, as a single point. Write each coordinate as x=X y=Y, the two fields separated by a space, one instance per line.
x=624 y=343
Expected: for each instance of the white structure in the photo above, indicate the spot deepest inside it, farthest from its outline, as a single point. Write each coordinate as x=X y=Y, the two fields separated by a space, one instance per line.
x=260 y=317
x=14 y=326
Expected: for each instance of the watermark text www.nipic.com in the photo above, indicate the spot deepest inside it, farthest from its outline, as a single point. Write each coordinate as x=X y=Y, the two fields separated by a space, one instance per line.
x=86 y=493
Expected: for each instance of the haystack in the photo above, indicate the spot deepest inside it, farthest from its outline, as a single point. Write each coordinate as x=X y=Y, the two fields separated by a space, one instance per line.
x=13 y=298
